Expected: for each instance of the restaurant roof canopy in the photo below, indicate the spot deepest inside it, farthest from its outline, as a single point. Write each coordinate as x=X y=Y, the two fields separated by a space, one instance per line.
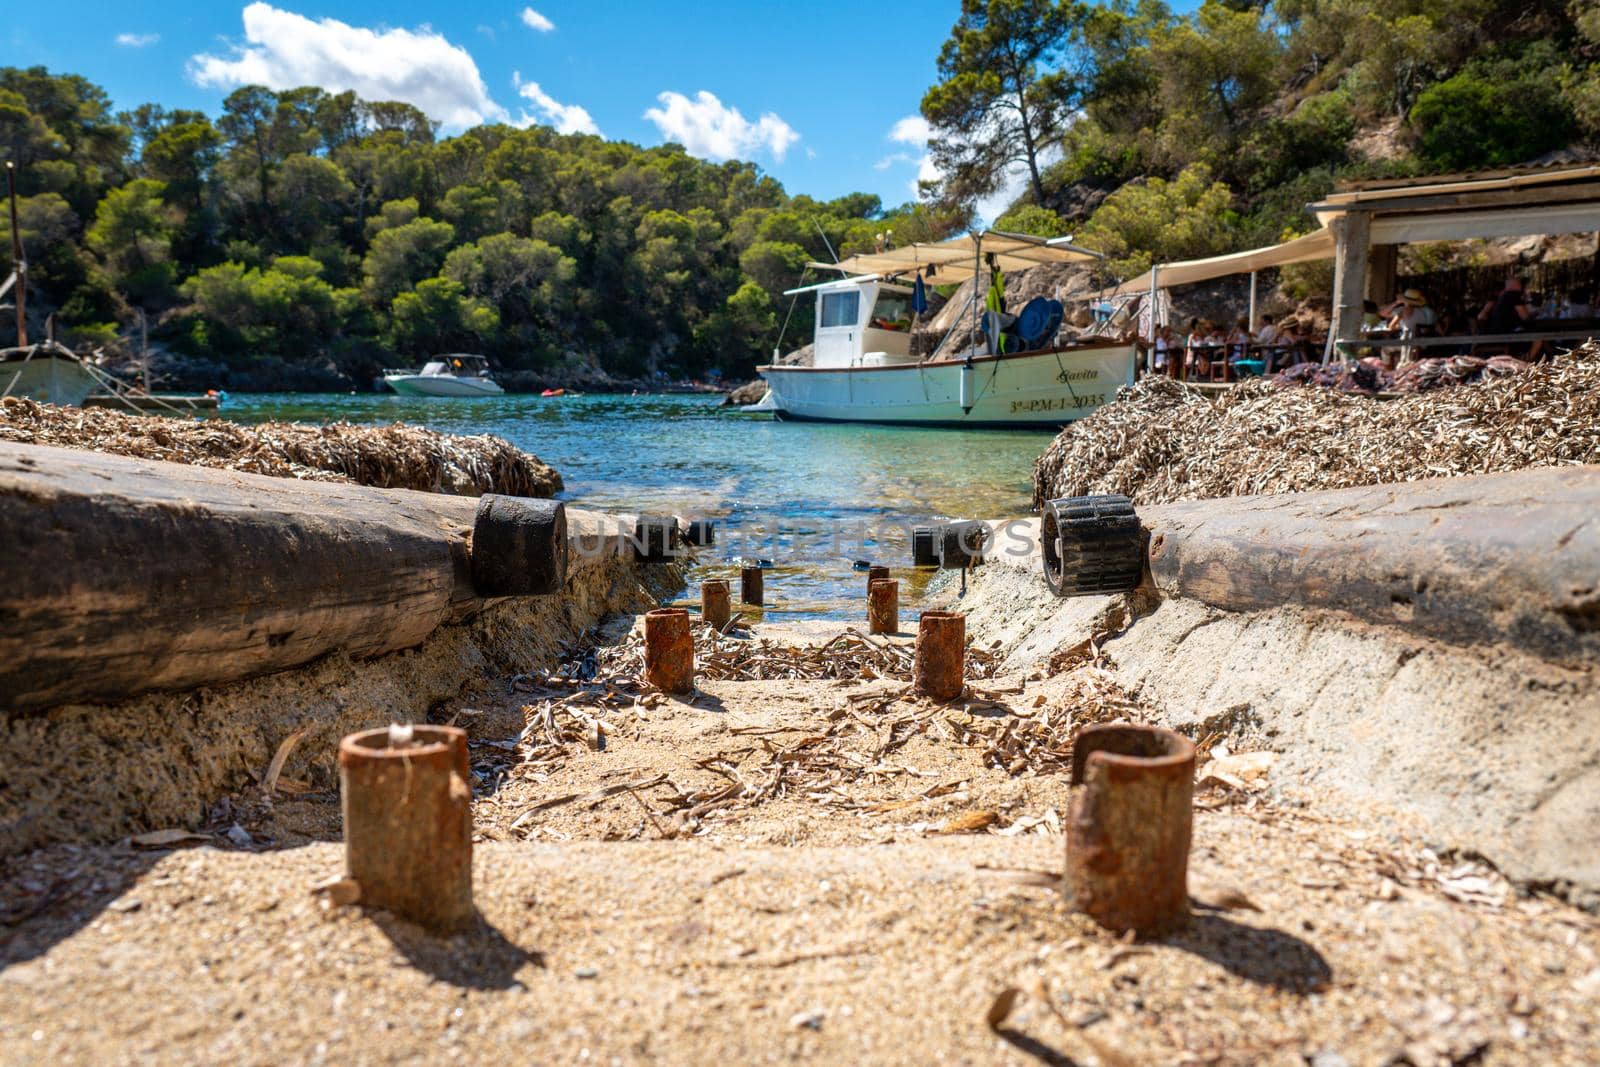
x=957 y=259
x=1547 y=200
x=1312 y=246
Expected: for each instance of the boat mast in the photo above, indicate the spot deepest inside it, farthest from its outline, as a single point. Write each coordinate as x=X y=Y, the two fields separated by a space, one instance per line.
x=17 y=263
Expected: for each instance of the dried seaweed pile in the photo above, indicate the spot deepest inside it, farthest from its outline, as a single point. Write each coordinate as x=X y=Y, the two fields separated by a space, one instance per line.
x=1162 y=441
x=389 y=457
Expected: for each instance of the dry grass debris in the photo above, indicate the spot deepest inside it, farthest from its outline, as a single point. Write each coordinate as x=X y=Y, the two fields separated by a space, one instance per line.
x=1162 y=441
x=397 y=456
x=864 y=744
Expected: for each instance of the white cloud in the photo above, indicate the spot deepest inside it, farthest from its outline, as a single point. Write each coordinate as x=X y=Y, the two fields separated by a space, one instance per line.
x=566 y=118
x=284 y=50
x=713 y=131
x=912 y=130
x=137 y=40
x=535 y=21
x=915 y=131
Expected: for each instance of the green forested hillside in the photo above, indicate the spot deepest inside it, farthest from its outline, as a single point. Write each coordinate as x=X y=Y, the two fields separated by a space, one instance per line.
x=1165 y=136
x=323 y=229
x=316 y=227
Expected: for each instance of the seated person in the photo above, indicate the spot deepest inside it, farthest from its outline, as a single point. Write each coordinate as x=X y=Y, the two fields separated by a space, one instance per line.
x=1239 y=342
x=1163 y=350
x=1578 y=305
x=1202 y=348
x=1267 y=338
x=1509 y=313
x=1410 y=314
x=1370 y=319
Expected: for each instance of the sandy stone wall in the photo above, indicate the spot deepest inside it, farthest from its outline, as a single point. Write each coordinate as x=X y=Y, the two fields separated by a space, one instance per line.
x=91 y=773
x=1492 y=750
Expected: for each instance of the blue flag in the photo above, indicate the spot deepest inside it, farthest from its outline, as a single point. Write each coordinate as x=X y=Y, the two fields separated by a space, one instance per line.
x=919 y=296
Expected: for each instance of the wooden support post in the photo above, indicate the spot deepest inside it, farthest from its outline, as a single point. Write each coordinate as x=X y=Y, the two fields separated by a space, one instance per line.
x=1352 y=235
x=1383 y=277
x=714 y=602
x=940 y=655
x=408 y=823
x=1129 y=827
x=1252 y=317
x=751 y=585
x=669 y=650
x=883 y=606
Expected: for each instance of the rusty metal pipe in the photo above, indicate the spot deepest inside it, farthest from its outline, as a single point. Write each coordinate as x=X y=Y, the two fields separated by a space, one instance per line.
x=669 y=650
x=1129 y=826
x=875 y=572
x=883 y=606
x=940 y=655
x=715 y=607
x=408 y=823
x=751 y=589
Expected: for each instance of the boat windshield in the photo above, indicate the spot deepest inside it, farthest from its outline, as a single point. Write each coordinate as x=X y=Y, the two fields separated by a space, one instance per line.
x=892 y=311
x=434 y=367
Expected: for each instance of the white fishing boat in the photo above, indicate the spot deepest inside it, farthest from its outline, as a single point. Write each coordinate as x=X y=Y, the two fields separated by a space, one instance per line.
x=863 y=369
x=458 y=374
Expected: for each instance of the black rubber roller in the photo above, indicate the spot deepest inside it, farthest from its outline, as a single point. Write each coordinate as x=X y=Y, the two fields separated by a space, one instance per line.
x=1092 y=546
x=656 y=539
x=961 y=544
x=519 y=546
x=924 y=547
x=700 y=532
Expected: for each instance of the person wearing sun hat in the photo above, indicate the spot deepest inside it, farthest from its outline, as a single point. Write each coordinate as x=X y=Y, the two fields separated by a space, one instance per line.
x=1410 y=314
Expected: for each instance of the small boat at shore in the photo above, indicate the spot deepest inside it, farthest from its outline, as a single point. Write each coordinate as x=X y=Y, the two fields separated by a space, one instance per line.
x=458 y=374
x=863 y=369
x=48 y=373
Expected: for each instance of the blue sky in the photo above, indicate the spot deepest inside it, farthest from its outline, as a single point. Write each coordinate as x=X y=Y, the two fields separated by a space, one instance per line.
x=815 y=93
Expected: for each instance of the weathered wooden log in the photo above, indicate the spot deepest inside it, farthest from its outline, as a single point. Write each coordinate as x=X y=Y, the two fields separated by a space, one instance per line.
x=939 y=657
x=715 y=607
x=883 y=606
x=120 y=575
x=408 y=823
x=1129 y=827
x=1499 y=558
x=669 y=650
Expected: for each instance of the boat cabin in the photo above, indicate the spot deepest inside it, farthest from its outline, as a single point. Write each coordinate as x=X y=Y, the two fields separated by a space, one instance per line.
x=457 y=365
x=862 y=322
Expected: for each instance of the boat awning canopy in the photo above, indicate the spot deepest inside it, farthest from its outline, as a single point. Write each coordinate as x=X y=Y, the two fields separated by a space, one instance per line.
x=957 y=259
x=1312 y=246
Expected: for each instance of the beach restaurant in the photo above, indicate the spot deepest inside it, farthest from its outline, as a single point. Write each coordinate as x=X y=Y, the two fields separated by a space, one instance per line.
x=1362 y=226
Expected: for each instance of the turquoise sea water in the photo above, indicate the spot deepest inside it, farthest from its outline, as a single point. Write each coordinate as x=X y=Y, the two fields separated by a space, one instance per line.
x=811 y=497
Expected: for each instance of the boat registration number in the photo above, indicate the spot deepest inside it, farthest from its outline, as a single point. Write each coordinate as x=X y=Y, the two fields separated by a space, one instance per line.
x=1059 y=403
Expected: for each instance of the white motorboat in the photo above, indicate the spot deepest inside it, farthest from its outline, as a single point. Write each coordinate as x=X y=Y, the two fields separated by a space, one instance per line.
x=863 y=370
x=458 y=374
